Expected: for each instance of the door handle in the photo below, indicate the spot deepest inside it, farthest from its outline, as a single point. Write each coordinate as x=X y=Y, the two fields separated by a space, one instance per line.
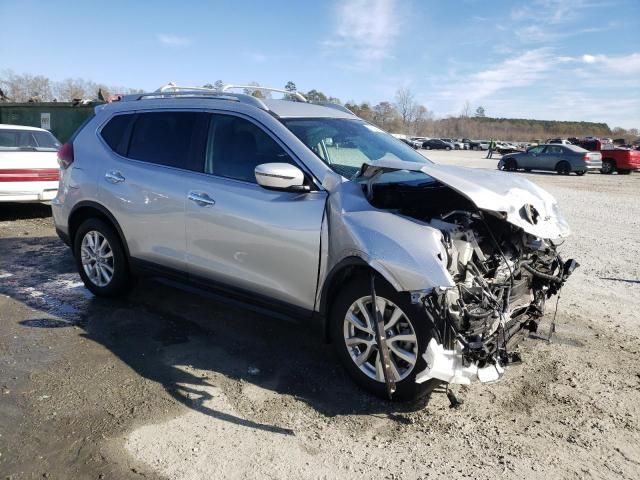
x=201 y=199
x=114 y=177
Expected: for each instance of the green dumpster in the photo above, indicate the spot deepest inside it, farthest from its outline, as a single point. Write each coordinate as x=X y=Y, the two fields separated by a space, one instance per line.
x=60 y=118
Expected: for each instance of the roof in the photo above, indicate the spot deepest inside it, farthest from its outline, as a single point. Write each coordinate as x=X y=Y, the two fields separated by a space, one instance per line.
x=289 y=109
x=4 y=126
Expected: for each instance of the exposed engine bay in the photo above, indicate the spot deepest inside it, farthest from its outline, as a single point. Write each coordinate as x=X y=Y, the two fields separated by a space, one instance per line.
x=502 y=274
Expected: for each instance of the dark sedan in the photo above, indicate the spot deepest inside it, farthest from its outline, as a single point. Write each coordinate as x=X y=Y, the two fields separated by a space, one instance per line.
x=563 y=159
x=437 y=144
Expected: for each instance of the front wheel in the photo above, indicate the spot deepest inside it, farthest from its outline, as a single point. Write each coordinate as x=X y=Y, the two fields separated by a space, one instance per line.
x=408 y=331
x=447 y=148
x=581 y=172
x=100 y=259
x=510 y=165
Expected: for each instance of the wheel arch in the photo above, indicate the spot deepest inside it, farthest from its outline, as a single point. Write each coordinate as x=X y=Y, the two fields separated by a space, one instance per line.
x=340 y=274
x=88 y=209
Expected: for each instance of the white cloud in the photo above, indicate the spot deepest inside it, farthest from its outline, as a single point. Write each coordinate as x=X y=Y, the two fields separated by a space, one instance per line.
x=366 y=29
x=173 y=40
x=517 y=71
x=622 y=64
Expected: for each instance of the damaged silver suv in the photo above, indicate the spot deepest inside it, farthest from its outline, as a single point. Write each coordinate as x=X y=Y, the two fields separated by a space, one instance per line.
x=417 y=273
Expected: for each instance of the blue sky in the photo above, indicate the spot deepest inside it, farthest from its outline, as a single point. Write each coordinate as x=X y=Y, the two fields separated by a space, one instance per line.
x=545 y=59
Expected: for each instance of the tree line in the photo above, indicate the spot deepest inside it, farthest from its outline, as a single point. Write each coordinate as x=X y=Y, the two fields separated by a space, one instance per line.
x=25 y=87
x=403 y=114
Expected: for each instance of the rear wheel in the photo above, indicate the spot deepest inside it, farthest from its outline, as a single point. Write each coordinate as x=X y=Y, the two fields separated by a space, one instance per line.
x=408 y=331
x=428 y=147
x=563 y=168
x=581 y=172
x=100 y=259
x=447 y=148
x=608 y=167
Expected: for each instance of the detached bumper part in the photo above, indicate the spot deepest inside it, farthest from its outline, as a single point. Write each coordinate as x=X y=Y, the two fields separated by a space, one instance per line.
x=448 y=366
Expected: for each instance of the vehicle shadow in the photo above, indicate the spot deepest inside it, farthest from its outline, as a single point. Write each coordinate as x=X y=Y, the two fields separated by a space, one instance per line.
x=17 y=211
x=159 y=329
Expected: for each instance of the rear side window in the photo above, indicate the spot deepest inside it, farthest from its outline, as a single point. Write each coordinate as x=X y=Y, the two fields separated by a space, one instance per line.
x=114 y=133
x=173 y=139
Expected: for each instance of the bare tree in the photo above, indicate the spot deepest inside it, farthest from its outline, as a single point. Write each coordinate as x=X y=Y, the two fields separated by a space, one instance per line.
x=406 y=106
x=466 y=109
x=26 y=87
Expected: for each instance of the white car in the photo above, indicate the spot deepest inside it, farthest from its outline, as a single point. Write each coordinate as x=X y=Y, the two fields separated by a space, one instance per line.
x=29 y=169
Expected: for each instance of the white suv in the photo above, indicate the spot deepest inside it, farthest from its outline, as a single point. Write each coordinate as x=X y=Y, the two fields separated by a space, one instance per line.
x=28 y=164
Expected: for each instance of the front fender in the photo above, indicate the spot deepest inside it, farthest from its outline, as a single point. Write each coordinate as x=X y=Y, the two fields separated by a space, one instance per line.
x=405 y=251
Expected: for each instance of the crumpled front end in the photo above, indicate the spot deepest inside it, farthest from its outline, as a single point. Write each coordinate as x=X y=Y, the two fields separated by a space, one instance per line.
x=503 y=276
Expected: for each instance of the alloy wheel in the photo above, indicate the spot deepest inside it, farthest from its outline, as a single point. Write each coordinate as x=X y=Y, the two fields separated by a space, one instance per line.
x=359 y=338
x=97 y=258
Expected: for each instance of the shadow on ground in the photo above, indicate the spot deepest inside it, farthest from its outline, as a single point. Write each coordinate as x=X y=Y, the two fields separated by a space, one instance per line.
x=20 y=211
x=159 y=328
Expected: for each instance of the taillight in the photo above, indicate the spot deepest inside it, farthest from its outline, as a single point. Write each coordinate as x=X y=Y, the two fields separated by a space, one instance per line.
x=30 y=175
x=65 y=155
x=585 y=157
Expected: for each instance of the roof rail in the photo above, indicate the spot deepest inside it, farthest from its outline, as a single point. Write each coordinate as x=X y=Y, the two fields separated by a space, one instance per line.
x=171 y=90
x=299 y=97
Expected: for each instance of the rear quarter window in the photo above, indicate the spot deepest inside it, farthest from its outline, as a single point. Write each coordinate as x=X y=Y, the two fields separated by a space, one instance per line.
x=113 y=133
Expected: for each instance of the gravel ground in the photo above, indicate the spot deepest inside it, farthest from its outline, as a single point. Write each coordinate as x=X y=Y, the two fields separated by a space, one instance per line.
x=172 y=383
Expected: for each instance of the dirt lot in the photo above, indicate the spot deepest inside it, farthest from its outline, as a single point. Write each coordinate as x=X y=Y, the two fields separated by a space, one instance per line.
x=176 y=384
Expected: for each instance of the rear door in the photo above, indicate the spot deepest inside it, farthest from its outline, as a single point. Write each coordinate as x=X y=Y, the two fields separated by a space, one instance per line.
x=553 y=154
x=142 y=181
x=240 y=234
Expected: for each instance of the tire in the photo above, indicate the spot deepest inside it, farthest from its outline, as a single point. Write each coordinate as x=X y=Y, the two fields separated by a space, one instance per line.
x=427 y=147
x=563 y=168
x=414 y=320
x=510 y=165
x=527 y=169
x=581 y=172
x=112 y=257
x=624 y=172
x=447 y=148
x=608 y=167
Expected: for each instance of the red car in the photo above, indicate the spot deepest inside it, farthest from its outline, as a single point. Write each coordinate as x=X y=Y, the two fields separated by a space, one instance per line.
x=614 y=159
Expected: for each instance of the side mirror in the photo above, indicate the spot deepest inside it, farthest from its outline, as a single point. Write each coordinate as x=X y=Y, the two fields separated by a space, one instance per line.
x=281 y=176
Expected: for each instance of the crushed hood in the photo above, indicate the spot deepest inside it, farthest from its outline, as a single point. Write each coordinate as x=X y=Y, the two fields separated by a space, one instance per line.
x=516 y=199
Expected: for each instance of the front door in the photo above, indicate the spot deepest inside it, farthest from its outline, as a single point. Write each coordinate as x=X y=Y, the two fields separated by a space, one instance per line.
x=242 y=235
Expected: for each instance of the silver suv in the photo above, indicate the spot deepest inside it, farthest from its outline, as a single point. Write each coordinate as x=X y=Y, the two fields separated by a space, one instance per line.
x=417 y=273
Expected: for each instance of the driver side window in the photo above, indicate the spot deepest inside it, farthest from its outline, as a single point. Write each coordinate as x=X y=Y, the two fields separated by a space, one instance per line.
x=235 y=147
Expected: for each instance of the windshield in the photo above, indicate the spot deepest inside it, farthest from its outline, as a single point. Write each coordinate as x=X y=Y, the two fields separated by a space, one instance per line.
x=345 y=144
